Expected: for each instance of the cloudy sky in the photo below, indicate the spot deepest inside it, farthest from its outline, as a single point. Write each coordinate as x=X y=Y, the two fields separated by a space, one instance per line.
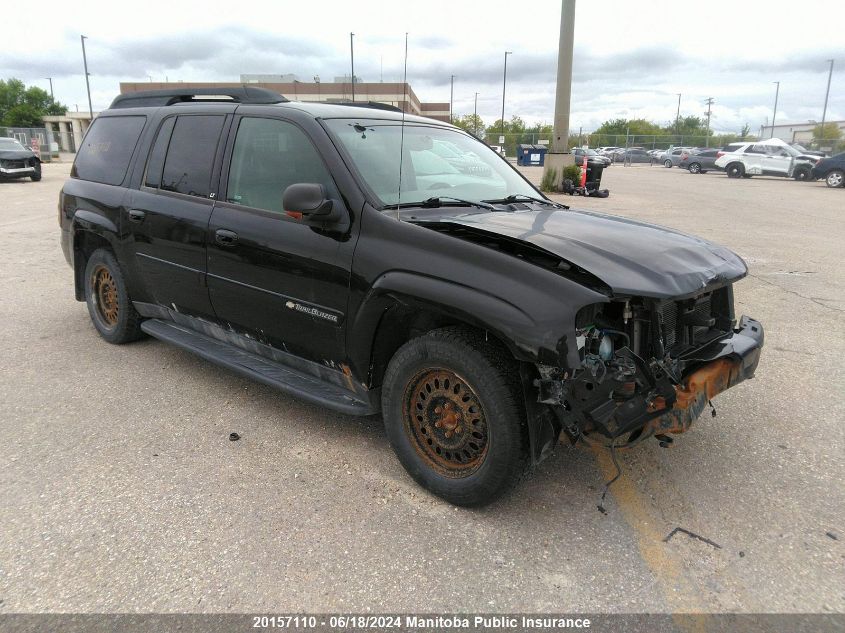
x=631 y=58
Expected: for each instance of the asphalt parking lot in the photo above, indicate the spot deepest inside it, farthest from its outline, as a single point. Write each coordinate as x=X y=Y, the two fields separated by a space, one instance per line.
x=120 y=490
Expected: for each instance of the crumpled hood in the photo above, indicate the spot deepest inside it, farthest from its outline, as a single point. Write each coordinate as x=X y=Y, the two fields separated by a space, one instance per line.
x=16 y=154
x=632 y=258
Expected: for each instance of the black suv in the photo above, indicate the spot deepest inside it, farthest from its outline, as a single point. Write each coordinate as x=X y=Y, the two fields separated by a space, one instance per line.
x=328 y=251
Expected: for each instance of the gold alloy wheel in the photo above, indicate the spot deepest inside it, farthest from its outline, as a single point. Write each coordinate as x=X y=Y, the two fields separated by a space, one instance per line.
x=445 y=422
x=104 y=290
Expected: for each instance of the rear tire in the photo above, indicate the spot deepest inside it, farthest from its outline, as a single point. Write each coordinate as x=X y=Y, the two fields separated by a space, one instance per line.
x=454 y=415
x=109 y=305
x=735 y=170
x=695 y=168
x=835 y=178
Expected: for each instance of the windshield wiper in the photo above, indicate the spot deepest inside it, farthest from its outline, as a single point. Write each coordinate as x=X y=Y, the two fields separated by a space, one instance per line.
x=520 y=197
x=437 y=201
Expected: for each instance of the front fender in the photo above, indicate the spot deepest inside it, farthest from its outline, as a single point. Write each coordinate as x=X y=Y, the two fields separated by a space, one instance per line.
x=461 y=302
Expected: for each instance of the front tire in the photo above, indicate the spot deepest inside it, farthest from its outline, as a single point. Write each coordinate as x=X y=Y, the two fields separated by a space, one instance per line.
x=735 y=170
x=109 y=305
x=695 y=168
x=835 y=178
x=453 y=413
x=667 y=164
x=802 y=174
x=37 y=175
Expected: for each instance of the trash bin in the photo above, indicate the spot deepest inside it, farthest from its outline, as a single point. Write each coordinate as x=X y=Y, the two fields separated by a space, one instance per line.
x=594 y=171
x=527 y=154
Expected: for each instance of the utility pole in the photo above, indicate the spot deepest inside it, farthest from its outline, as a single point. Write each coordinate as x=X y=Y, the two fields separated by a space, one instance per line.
x=775 y=111
x=826 y=94
x=87 y=82
x=475 y=115
x=678 y=115
x=559 y=156
x=50 y=79
x=709 y=101
x=451 y=96
x=504 y=85
x=352 y=60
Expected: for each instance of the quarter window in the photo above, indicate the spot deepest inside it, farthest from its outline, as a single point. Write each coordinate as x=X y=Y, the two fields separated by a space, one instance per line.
x=268 y=156
x=107 y=149
x=190 y=155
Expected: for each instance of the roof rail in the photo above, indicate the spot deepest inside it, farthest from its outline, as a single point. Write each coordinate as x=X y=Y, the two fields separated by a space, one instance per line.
x=169 y=96
x=375 y=105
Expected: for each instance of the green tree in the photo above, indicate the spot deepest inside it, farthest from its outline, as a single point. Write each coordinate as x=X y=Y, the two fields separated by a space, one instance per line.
x=830 y=132
x=514 y=132
x=472 y=123
x=25 y=107
x=744 y=131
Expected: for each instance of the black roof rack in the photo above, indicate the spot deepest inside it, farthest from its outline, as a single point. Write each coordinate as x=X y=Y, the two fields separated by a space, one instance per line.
x=375 y=105
x=169 y=96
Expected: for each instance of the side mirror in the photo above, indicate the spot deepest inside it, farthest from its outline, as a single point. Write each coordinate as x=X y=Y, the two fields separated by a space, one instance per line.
x=305 y=200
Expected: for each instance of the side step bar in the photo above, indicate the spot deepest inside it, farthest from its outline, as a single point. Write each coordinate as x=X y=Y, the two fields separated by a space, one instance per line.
x=259 y=368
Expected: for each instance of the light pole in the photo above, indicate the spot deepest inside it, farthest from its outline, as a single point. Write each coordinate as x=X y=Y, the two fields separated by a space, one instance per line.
x=451 y=96
x=50 y=79
x=826 y=94
x=475 y=115
x=678 y=115
x=709 y=103
x=352 y=60
x=775 y=111
x=87 y=83
x=504 y=85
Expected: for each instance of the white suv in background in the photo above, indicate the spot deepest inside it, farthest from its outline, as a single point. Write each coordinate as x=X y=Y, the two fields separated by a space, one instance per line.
x=772 y=157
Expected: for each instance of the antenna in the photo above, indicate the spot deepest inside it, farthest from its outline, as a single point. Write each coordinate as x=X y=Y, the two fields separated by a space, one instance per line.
x=402 y=133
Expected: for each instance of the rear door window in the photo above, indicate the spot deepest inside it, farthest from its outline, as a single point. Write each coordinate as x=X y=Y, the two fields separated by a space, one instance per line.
x=107 y=149
x=190 y=154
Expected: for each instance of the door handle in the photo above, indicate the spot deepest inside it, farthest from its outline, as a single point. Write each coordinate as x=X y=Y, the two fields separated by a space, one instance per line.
x=136 y=215
x=225 y=238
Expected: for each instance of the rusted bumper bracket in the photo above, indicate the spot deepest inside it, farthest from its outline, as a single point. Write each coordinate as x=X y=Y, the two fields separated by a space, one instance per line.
x=726 y=363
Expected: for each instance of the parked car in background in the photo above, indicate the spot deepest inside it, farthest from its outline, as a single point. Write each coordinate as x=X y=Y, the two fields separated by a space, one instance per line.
x=809 y=152
x=673 y=156
x=592 y=156
x=771 y=157
x=832 y=170
x=17 y=161
x=632 y=155
x=699 y=161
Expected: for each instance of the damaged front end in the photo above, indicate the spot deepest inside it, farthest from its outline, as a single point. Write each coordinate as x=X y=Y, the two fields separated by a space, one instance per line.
x=649 y=368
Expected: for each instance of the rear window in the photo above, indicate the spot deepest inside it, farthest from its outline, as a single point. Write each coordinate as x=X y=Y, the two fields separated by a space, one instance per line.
x=107 y=149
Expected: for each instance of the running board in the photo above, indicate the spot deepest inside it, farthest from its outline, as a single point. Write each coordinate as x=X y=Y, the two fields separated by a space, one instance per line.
x=258 y=368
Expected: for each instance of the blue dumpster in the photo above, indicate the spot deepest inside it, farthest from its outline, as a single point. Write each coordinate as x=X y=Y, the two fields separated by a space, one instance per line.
x=527 y=154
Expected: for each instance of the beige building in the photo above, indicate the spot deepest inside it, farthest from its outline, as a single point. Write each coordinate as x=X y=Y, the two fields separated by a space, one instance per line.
x=400 y=95
x=67 y=129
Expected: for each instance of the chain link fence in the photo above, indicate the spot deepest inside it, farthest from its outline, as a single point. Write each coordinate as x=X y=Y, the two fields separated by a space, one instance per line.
x=36 y=138
x=646 y=141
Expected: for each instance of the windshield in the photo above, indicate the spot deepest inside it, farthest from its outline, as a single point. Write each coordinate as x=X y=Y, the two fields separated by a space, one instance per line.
x=10 y=143
x=436 y=162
